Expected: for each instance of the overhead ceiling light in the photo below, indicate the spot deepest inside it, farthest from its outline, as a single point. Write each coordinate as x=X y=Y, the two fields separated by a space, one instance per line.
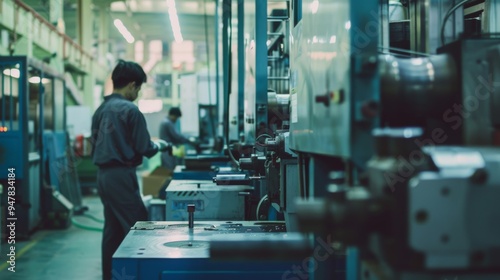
x=139 y=51
x=314 y=6
x=348 y=25
x=174 y=21
x=13 y=72
x=36 y=80
x=124 y=31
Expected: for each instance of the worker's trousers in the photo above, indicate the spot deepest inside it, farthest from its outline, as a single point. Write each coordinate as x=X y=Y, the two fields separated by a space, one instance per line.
x=123 y=207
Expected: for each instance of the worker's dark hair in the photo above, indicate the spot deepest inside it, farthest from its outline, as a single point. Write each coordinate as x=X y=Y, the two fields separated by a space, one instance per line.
x=126 y=72
x=175 y=111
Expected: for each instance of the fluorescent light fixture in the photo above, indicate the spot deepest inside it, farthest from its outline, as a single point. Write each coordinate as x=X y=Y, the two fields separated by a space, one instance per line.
x=36 y=80
x=13 y=72
x=139 y=51
x=124 y=31
x=314 y=6
x=174 y=21
x=348 y=25
x=150 y=105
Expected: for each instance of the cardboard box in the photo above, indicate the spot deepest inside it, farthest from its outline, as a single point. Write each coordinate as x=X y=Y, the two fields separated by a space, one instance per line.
x=153 y=182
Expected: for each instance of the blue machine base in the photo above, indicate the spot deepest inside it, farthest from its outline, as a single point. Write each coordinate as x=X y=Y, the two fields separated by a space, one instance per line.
x=171 y=251
x=196 y=269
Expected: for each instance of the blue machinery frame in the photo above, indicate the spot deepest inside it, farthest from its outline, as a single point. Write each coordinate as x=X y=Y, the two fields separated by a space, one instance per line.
x=12 y=143
x=241 y=65
x=172 y=251
x=17 y=150
x=14 y=148
x=261 y=105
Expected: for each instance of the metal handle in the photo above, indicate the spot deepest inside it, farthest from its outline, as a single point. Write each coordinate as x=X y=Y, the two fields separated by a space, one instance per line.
x=336 y=97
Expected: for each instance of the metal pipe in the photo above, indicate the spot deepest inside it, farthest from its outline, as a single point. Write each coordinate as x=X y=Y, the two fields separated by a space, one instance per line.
x=277 y=101
x=231 y=179
x=447 y=16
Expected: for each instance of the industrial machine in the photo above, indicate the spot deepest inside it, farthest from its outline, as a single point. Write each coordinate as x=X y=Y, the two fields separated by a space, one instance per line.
x=212 y=202
x=393 y=125
x=201 y=167
x=33 y=145
x=263 y=106
x=19 y=147
x=31 y=95
x=389 y=134
x=174 y=250
x=372 y=128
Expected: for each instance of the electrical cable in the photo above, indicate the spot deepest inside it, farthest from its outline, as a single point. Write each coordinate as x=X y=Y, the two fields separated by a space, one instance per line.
x=85 y=227
x=263 y=135
x=263 y=200
x=447 y=16
x=93 y=218
x=233 y=159
x=262 y=144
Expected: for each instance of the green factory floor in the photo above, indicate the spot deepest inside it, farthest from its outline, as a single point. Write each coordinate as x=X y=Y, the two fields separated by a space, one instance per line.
x=73 y=253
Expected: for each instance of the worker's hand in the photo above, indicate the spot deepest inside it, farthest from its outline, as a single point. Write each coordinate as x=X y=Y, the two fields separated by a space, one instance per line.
x=163 y=146
x=194 y=141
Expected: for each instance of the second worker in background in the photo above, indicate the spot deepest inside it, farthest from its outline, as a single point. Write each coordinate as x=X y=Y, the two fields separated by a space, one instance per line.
x=169 y=133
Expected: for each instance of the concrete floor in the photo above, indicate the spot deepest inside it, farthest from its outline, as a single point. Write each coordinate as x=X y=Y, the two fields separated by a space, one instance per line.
x=73 y=253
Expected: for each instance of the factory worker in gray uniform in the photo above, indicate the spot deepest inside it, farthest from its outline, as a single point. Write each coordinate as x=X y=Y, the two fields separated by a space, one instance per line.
x=169 y=133
x=120 y=140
